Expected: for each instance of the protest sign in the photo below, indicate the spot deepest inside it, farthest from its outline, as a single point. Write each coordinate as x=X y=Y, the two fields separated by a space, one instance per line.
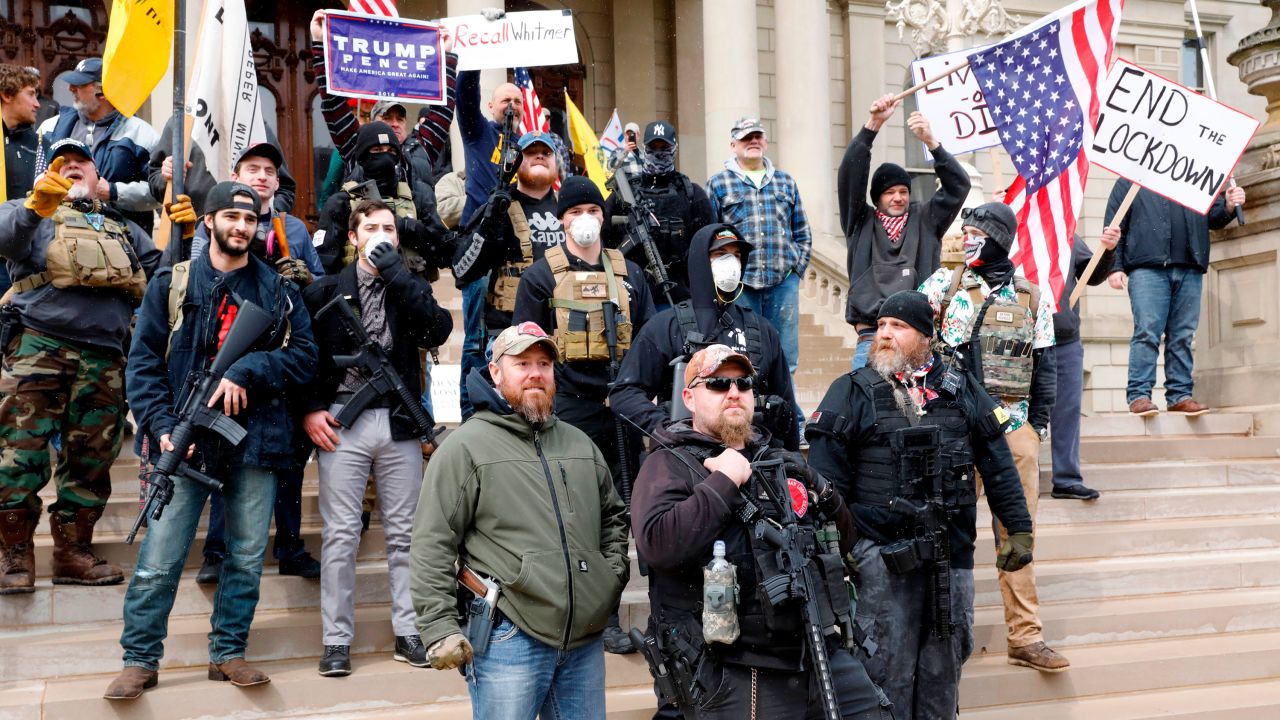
x=954 y=105
x=1166 y=137
x=383 y=58
x=532 y=39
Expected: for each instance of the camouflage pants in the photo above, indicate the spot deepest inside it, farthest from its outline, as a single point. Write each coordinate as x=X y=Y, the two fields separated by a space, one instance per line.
x=48 y=388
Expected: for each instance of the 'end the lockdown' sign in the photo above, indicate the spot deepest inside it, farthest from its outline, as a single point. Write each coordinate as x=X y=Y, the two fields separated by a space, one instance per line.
x=1167 y=138
x=383 y=58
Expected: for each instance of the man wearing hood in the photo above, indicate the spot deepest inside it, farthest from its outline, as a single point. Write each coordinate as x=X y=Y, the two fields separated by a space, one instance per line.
x=717 y=255
x=1004 y=328
x=893 y=242
x=866 y=435
x=525 y=500
x=679 y=204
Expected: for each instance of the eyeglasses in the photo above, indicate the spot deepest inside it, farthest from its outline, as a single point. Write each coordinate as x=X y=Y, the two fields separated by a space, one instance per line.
x=720 y=384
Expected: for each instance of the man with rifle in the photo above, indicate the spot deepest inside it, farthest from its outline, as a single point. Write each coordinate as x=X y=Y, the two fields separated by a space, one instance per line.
x=173 y=346
x=902 y=438
x=714 y=478
x=364 y=416
x=592 y=301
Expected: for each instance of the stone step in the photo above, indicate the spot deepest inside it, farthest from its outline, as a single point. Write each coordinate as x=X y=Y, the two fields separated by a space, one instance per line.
x=1160 y=475
x=1164 y=449
x=1148 y=666
x=1159 y=504
x=1258 y=700
x=1165 y=425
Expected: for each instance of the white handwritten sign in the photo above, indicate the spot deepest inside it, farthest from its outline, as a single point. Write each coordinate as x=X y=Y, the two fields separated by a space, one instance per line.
x=954 y=106
x=518 y=39
x=1167 y=138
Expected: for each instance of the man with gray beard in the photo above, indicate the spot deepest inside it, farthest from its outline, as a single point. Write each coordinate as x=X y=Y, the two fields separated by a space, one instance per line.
x=875 y=433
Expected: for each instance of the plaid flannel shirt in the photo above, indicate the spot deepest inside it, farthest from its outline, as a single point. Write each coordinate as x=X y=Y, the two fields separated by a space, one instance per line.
x=770 y=217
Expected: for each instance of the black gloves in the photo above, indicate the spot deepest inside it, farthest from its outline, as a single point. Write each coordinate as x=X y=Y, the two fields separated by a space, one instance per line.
x=386 y=258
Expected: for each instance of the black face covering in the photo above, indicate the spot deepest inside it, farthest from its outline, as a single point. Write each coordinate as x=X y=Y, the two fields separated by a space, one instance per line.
x=380 y=168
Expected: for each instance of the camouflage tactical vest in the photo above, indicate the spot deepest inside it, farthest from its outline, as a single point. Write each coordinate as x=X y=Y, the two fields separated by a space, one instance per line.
x=579 y=300
x=402 y=205
x=506 y=279
x=80 y=255
x=1006 y=336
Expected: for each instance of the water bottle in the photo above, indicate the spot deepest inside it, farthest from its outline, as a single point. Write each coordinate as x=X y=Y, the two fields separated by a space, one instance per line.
x=720 y=599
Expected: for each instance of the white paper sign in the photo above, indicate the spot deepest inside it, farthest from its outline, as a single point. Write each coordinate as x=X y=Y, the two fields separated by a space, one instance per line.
x=954 y=106
x=1167 y=138
x=519 y=39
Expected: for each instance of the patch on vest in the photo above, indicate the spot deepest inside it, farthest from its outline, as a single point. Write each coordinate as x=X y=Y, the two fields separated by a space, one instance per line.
x=816 y=417
x=1004 y=317
x=799 y=496
x=593 y=290
x=582 y=566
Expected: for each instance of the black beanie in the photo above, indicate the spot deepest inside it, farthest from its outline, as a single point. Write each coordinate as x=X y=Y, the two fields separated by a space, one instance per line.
x=577 y=190
x=375 y=133
x=995 y=219
x=912 y=308
x=885 y=177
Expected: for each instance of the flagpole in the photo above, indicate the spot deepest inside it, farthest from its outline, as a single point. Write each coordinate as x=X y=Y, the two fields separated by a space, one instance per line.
x=1208 y=83
x=921 y=85
x=179 y=155
x=1097 y=256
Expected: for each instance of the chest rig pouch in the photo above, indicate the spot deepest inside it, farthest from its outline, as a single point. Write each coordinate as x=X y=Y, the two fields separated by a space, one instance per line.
x=506 y=279
x=81 y=255
x=403 y=207
x=1002 y=334
x=579 y=301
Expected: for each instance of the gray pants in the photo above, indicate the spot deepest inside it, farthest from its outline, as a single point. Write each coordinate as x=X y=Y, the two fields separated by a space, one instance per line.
x=397 y=469
x=919 y=673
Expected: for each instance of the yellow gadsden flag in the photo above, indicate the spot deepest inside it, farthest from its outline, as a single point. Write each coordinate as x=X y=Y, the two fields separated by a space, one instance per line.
x=139 y=45
x=586 y=144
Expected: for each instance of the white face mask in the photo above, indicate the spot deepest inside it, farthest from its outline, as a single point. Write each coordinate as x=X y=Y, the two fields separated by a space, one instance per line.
x=973 y=248
x=726 y=271
x=374 y=241
x=585 y=230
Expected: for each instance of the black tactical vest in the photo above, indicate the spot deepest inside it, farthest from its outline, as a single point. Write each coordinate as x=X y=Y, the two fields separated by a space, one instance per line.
x=671 y=204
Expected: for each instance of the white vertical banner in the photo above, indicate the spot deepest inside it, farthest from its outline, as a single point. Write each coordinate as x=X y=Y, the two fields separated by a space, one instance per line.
x=223 y=95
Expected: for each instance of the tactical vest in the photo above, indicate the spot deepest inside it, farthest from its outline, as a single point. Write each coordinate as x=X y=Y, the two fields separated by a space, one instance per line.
x=671 y=204
x=579 y=300
x=403 y=206
x=878 y=473
x=1006 y=335
x=80 y=255
x=506 y=279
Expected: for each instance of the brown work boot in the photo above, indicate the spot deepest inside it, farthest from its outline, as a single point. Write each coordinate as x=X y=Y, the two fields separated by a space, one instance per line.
x=73 y=560
x=1143 y=407
x=1039 y=656
x=130 y=683
x=1189 y=407
x=17 y=551
x=239 y=672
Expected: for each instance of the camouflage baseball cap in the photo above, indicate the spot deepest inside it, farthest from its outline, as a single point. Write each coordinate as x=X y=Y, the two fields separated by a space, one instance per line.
x=710 y=358
x=518 y=338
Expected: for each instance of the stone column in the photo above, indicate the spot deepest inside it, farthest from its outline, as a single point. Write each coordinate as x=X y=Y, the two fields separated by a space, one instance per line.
x=690 y=118
x=489 y=79
x=635 y=61
x=731 y=69
x=804 y=105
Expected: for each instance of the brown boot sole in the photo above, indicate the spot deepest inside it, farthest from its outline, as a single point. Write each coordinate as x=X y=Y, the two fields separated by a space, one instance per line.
x=113 y=580
x=1192 y=413
x=219 y=676
x=1041 y=668
x=20 y=590
x=1146 y=413
x=145 y=686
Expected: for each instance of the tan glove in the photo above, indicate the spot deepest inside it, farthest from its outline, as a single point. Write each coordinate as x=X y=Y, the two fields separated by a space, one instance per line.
x=1015 y=554
x=449 y=653
x=295 y=269
x=181 y=211
x=49 y=190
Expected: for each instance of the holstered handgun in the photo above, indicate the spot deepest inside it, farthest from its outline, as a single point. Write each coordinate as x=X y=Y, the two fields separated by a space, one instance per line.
x=482 y=611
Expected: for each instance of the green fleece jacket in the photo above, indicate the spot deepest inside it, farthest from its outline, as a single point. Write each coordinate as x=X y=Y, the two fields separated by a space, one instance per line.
x=532 y=508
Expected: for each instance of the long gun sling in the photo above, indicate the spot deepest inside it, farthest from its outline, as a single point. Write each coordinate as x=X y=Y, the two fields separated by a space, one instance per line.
x=640 y=223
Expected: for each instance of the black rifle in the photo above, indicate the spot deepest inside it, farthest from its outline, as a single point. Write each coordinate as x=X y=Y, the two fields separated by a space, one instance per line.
x=508 y=161
x=611 y=340
x=195 y=415
x=798 y=578
x=642 y=223
x=381 y=376
x=919 y=450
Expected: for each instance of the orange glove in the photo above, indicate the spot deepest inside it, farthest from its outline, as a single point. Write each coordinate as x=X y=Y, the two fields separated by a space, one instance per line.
x=181 y=211
x=49 y=190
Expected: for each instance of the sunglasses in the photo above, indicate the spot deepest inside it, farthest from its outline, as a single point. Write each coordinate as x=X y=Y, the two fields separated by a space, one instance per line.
x=720 y=384
x=978 y=213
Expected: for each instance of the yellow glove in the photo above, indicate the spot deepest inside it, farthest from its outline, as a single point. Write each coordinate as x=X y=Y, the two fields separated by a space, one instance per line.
x=49 y=190
x=449 y=653
x=181 y=211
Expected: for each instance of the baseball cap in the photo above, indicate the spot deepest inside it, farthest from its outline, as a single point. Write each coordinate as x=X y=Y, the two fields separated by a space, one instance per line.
x=745 y=126
x=67 y=145
x=383 y=106
x=726 y=236
x=263 y=150
x=518 y=338
x=224 y=195
x=709 y=359
x=87 y=71
x=536 y=136
x=660 y=130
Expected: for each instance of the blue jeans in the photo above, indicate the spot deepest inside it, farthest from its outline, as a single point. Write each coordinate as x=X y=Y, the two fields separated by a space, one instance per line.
x=1166 y=304
x=473 y=327
x=862 y=351
x=426 y=389
x=780 y=305
x=1065 y=416
x=519 y=678
x=249 y=494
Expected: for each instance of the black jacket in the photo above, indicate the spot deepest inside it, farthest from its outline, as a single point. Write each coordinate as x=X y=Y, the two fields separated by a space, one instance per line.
x=878 y=267
x=425 y=234
x=673 y=195
x=646 y=371
x=416 y=321
x=587 y=379
x=1066 y=322
x=19 y=160
x=831 y=455
x=1160 y=233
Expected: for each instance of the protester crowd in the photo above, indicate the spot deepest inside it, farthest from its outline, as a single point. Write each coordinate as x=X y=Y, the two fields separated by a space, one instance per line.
x=627 y=373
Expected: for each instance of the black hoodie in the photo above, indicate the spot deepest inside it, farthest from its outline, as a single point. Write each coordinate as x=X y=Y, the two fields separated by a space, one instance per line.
x=646 y=371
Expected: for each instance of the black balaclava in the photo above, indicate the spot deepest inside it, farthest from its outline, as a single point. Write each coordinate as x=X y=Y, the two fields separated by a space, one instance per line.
x=378 y=167
x=659 y=161
x=1000 y=224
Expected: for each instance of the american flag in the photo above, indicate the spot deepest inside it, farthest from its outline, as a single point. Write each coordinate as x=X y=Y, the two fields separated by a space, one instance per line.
x=375 y=7
x=1041 y=88
x=532 y=118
